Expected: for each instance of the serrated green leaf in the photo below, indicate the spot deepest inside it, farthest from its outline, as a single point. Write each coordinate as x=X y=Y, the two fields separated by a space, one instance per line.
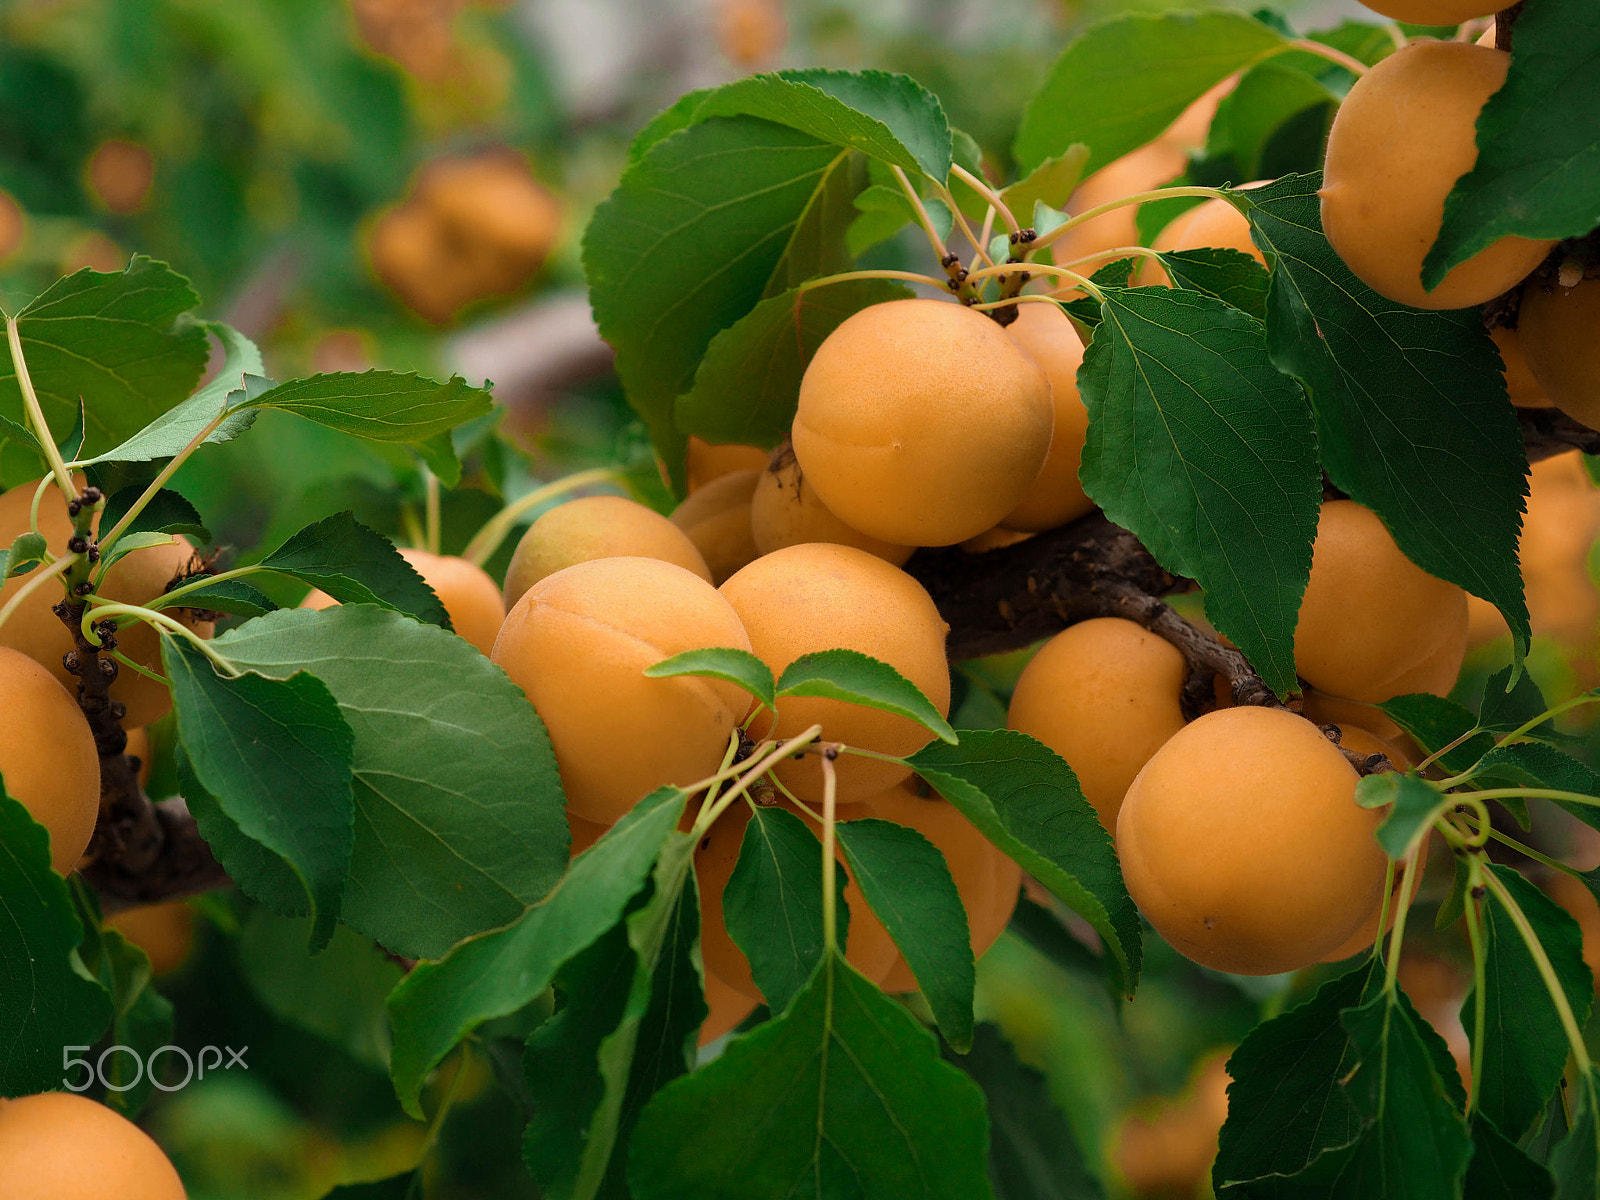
x=1435 y=722
x=1524 y=1047
x=226 y=595
x=1286 y=1107
x=1412 y=419
x=1204 y=450
x=1500 y=1170
x=1537 y=173
x=44 y=1003
x=456 y=787
x=1050 y=183
x=689 y=243
x=129 y=542
x=858 y=678
x=276 y=756
x=1413 y=803
x=167 y=512
x=842 y=1094
x=1231 y=276
x=1124 y=80
x=1268 y=95
x=1025 y=799
x=116 y=343
x=356 y=565
x=819 y=244
x=748 y=384
x=907 y=882
x=494 y=974
x=23 y=555
x=1510 y=704
x=721 y=662
x=255 y=870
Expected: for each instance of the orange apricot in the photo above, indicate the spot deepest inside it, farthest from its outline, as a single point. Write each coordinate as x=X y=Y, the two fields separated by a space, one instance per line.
x=1214 y=222
x=48 y=761
x=717 y=520
x=728 y=1008
x=1434 y=12
x=1055 y=496
x=163 y=931
x=61 y=1146
x=1522 y=388
x=1164 y=1147
x=468 y=594
x=713 y=460
x=786 y=512
x=1557 y=327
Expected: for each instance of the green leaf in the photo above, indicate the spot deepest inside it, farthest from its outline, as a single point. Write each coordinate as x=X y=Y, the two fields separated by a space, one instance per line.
x=1576 y=1160
x=1524 y=1047
x=386 y=406
x=226 y=595
x=1268 y=96
x=23 y=555
x=1124 y=80
x=858 y=678
x=338 y=994
x=1436 y=722
x=1499 y=1169
x=258 y=872
x=167 y=512
x=1033 y=1152
x=688 y=243
x=494 y=974
x=116 y=343
x=44 y=1004
x=1286 y=1107
x=1051 y=182
x=276 y=756
x=906 y=880
x=1232 y=277
x=820 y=243
x=141 y=1016
x=883 y=211
x=721 y=662
x=844 y=1094
x=356 y=565
x=772 y=904
x=396 y=1187
x=129 y=542
x=888 y=117
x=1414 y=806
x=457 y=793
x=748 y=384
x=1025 y=799
x=1204 y=450
x=1412 y=419
x=1537 y=174
x=1511 y=703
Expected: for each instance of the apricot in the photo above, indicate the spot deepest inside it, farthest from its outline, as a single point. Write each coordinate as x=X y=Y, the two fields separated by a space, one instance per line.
x=1055 y=496
x=596 y=527
x=1164 y=1147
x=48 y=761
x=578 y=644
x=717 y=520
x=988 y=880
x=728 y=1008
x=61 y=1146
x=1373 y=624
x=997 y=538
x=921 y=422
x=1103 y=694
x=137 y=578
x=1433 y=12
x=784 y=511
x=1212 y=223
x=468 y=594
x=163 y=931
x=1557 y=328
x=868 y=946
x=1242 y=843
x=713 y=460
x=1580 y=903
x=1522 y=388
x=1403 y=136
x=820 y=596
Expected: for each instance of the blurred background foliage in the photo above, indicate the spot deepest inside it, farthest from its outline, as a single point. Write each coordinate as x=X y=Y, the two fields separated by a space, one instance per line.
x=403 y=183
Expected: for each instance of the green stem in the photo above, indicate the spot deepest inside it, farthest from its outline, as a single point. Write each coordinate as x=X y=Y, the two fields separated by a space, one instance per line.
x=35 y=414
x=1529 y=852
x=1114 y=253
x=1534 y=794
x=165 y=600
x=102 y=611
x=765 y=761
x=1445 y=749
x=1038 y=269
x=1383 y=909
x=940 y=250
x=851 y=276
x=1398 y=936
x=1101 y=210
x=960 y=217
x=160 y=481
x=989 y=194
x=1547 y=972
x=830 y=907
x=1549 y=715
x=1354 y=65
x=430 y=483
x=1479 y=976
x=56 y=569
x=487 y=540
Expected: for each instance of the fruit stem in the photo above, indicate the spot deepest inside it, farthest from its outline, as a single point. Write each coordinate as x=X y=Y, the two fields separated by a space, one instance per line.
x=1547 y=972
x=487 y=540
x=160 y=481
x=93 y=613
x=30 y=405
x=830 y=790
x=1100 y=210
x=988 y=193
x=1474 y=915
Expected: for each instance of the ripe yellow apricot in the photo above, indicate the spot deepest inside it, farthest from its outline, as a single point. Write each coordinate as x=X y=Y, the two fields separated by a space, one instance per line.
x=1401 y=139
x=61 y=1146
x=997 y=538
x=717 y=520
x=1371 y=618
x=467 y=592
x=868 y=946
x=597 y=527
x=1103 y=694
x=137 y=578
x=48 y=760
x=1212 y=223
x=1558 y=336
x=1055 y=496
x=921 y=423
x=729 y=1006
x=988 y=880
x=578 y=644
x=1242 y=843
x=784 y=511
x=163 y=931
x=1165 y=1147
x=1434 y=12
x=1522 y=388
x=713 y=460
x=820 y=596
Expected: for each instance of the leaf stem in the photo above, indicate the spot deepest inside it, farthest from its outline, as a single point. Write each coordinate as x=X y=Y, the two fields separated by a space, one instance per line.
x=851 y=276
x=940 y=250
x=961 y=223
x=1533 y=793
x=1541 y=959
x=1039 y=269
x=1528 y=851
x=765 y=761
x=203 y=581
x=1408 y=883
x=988 y=193
x=36 y=421
x=1354 y=65
x=1550 y=714
x=1100 y=210
x=430 y=483
x=103 y=610
x=1445 y=749
x=160 y=481
x=1480 y=998
x=487 y=540
x=830 y=909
